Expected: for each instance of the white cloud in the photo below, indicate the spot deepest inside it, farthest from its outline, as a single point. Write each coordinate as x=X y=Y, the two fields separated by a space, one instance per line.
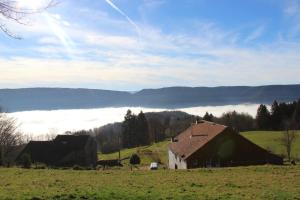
x=49 y=40
x=112 y=42
x=230 y=66
x=96 y=58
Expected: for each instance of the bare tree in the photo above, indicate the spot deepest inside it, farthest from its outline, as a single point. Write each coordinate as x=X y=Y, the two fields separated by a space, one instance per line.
x=10 y=138
x=287 y=139
x=10 y=11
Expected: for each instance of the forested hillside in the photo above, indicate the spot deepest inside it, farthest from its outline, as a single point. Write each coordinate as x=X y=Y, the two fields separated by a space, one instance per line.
x=13 y=100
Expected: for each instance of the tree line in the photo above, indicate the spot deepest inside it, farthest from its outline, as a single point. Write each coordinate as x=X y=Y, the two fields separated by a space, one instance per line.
x=139 y=130
x=281 y=116
x=147 y=128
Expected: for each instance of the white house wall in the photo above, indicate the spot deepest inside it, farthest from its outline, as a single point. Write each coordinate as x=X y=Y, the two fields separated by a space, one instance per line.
x=175 y=160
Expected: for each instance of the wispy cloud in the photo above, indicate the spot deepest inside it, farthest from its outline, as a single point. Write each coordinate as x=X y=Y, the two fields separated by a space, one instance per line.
x=255 y=34
x=124 y=14
x=136 y=71
x=292 y=12
x=113 y=57
x=292 y=7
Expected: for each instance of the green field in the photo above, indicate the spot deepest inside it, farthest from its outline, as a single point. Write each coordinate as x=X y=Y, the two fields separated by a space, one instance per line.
x=261 y=182
x=156 y=152
x=253 y=182
x=271 y=141
x=266 y=139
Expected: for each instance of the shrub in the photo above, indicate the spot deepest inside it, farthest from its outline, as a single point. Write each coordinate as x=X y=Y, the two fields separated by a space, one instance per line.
x=135 y=159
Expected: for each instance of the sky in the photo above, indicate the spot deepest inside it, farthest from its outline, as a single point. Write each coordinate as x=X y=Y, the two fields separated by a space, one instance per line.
x=135 y=44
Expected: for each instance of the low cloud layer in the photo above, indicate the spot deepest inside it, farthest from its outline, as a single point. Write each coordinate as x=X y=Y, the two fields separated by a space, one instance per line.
x=37 y=123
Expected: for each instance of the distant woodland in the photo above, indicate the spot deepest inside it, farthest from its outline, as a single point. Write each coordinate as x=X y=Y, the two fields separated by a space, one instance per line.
x=14 y=100
x=147 y=128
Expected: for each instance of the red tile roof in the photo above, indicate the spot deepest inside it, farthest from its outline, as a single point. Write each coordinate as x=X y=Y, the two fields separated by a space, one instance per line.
x=195 y=137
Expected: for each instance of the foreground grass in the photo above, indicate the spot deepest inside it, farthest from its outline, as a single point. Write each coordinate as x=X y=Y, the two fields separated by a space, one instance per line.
x=262 y=182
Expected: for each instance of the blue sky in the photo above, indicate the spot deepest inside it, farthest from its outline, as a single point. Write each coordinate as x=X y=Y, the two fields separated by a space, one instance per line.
x=135 y=44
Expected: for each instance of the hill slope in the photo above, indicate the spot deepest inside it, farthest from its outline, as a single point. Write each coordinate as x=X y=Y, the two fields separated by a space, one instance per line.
x=13 y=100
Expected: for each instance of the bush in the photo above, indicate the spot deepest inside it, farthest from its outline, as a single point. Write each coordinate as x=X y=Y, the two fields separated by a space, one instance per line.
x=135 y=159
x=77 y=167
x=26 y=161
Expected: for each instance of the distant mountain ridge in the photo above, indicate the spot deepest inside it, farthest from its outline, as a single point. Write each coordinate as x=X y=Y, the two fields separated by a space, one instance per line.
x=13 y=100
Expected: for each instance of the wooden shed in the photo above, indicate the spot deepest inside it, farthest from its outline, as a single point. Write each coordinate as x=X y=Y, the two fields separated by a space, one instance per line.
x=207 y=144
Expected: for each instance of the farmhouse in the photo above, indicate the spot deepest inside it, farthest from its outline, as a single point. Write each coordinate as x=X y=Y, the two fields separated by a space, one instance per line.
x=206 y=144
x=64 y=150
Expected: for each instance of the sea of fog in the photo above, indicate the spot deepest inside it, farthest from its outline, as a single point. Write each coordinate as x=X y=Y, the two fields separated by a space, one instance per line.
x=38 y=123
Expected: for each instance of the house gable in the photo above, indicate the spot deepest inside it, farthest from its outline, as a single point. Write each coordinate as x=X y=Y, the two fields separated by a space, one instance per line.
x=208 y=144
x=231 y=149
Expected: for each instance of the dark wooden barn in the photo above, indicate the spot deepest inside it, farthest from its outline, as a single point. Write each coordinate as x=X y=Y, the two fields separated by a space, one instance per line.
x=64 y=150
x=207 y=144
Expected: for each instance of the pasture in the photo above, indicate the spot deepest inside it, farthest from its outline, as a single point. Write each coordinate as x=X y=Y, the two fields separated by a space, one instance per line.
x=255 y=182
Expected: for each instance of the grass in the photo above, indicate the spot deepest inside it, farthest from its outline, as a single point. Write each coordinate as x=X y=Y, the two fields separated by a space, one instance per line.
x=266 y=139
x=271 y=141
x=153 y=153
x=253 y=182
x=256 y=182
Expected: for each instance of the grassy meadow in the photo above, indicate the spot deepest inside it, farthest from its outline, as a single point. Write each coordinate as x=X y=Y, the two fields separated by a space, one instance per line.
x=253 y=182
x=271 y=140
x=256 y=182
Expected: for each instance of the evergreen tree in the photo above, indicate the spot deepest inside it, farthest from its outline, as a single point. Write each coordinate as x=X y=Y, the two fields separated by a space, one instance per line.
x=276 y=120
x=128 y=133
x=135 y=130
x=263 y=118
x=208 y=117
x=142 y=130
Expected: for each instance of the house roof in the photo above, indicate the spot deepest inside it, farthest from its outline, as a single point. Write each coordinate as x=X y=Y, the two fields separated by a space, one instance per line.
x=71 y=141
x=195 y=137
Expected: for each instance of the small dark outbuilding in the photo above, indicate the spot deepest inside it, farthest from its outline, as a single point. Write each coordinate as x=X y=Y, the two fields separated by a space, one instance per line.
x=64 y=150
x=206 y=144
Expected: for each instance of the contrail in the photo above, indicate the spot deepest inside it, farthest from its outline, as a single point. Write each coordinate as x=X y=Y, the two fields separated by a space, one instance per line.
x=124 y=14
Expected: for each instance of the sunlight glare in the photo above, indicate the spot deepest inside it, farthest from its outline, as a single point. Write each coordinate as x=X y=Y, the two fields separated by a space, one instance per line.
x=32 y=4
